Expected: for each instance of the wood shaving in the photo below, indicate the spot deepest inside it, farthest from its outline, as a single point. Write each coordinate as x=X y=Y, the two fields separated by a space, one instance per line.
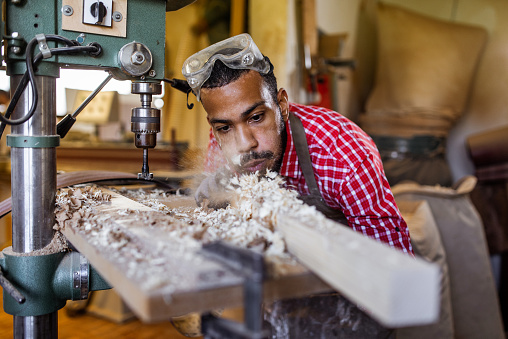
x=141 y=260
x=250 y=222
x=57 y=244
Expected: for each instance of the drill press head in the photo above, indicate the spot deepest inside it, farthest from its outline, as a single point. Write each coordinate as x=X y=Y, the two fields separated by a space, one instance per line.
x=145 y=122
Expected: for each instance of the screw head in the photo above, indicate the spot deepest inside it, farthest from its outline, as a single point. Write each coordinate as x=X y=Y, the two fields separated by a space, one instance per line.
x=117 y=16
x=16 y=50
x=152 y=73
x=67 y=10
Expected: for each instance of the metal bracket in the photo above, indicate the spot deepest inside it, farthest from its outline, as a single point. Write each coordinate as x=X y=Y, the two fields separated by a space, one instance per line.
x=251 y=265
x=43 y=46
x=31 y=275
x=41 y=284
x=25 y=141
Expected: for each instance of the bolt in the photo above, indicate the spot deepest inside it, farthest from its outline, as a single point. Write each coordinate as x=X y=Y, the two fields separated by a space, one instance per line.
x=152 y=73
x=16 y=50
x=137 y=58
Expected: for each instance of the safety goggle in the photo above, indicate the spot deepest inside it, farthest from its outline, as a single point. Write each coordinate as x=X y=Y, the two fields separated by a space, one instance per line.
x=238 y=52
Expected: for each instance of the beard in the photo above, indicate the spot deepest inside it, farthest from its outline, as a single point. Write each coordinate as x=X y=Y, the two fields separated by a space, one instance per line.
x=275 y=157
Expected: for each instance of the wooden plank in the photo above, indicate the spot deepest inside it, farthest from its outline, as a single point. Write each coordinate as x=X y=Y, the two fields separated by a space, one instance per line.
x=395 y=289
x=73 y=178
x=188 y=282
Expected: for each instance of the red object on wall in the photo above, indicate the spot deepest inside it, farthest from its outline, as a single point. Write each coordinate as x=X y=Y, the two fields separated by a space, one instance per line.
x=323 y=88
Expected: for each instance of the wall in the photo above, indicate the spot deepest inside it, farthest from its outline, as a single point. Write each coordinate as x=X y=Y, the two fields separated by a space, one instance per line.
x=488 y=104
x=189 y=125
x=271 y=25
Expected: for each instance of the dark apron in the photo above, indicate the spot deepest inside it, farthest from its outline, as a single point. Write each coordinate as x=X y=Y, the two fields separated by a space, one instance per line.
x=324 y=315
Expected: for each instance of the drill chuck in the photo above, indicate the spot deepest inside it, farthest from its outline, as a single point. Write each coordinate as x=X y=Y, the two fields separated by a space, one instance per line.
x=145 y=124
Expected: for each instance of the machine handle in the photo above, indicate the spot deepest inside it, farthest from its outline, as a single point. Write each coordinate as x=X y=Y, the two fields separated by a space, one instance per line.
x=9 y=288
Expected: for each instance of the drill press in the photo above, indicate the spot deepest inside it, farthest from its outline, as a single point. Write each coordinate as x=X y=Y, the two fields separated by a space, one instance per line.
x=83 y=34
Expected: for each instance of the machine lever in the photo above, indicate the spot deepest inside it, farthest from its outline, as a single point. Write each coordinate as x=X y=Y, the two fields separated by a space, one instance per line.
x=63 y=127
x=9 y=288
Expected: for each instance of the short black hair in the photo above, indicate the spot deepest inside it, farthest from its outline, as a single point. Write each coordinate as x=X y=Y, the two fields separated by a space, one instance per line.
x=222 y=75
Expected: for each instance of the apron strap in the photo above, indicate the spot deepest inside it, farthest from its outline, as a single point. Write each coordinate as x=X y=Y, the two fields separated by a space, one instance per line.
x=302 y=151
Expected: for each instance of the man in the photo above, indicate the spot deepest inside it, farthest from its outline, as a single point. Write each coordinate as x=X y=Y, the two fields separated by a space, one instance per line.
x=252 y=132
x=329 y=160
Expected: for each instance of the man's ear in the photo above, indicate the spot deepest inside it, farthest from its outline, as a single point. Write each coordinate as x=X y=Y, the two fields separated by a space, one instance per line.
x=282 y=98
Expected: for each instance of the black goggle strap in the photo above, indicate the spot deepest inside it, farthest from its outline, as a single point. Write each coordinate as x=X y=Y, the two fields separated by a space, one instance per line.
x=189 y=106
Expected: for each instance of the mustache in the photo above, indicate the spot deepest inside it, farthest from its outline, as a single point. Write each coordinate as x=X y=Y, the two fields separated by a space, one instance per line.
x=255 y=156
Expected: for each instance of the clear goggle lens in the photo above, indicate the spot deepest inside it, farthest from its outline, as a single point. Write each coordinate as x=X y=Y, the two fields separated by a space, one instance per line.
x=238 y=52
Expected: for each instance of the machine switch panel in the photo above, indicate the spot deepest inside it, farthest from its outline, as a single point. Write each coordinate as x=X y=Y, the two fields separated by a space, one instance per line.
x=98 y=12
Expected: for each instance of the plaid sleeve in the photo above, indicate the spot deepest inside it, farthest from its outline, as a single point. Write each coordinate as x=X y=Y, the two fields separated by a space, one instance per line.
x=370 y=207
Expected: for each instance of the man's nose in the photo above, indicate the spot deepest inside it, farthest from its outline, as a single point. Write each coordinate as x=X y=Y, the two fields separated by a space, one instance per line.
x=246 y=140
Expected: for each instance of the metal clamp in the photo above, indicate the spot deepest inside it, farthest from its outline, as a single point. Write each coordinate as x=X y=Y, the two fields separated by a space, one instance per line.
x=47 y=281
x=43 y=46
x=25 y=141
x=251 y=265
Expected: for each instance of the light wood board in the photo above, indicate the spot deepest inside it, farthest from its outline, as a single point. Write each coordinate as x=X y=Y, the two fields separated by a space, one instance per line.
x=395 y=289
x=189 y=282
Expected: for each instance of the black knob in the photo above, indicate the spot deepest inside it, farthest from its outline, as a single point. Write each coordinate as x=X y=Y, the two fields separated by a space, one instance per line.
x=98 y=11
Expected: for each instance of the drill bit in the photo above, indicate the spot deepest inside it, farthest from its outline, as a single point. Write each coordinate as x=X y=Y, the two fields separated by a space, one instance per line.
x=145 y=171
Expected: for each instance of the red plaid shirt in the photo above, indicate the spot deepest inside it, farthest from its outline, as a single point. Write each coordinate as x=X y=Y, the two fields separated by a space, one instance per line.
x=348 y=170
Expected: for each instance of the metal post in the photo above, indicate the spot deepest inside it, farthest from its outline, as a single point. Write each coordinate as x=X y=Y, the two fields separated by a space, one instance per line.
x=33 y=182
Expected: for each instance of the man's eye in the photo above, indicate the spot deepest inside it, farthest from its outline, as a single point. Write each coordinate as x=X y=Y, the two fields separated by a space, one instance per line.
x=223 y=129
x=257 y=117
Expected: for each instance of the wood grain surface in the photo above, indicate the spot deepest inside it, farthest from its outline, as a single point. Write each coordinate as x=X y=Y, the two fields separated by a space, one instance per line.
x=190 y=282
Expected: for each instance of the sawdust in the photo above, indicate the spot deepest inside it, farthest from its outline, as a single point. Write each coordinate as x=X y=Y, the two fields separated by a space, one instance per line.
x=57 y=244
x=141 y=260
x=251 y=222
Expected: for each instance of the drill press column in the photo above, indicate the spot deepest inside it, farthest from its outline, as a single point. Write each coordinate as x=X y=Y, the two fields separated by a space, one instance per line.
x=145 y=122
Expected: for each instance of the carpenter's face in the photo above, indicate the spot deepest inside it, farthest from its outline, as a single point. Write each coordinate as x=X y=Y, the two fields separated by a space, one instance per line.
x=247 y=123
